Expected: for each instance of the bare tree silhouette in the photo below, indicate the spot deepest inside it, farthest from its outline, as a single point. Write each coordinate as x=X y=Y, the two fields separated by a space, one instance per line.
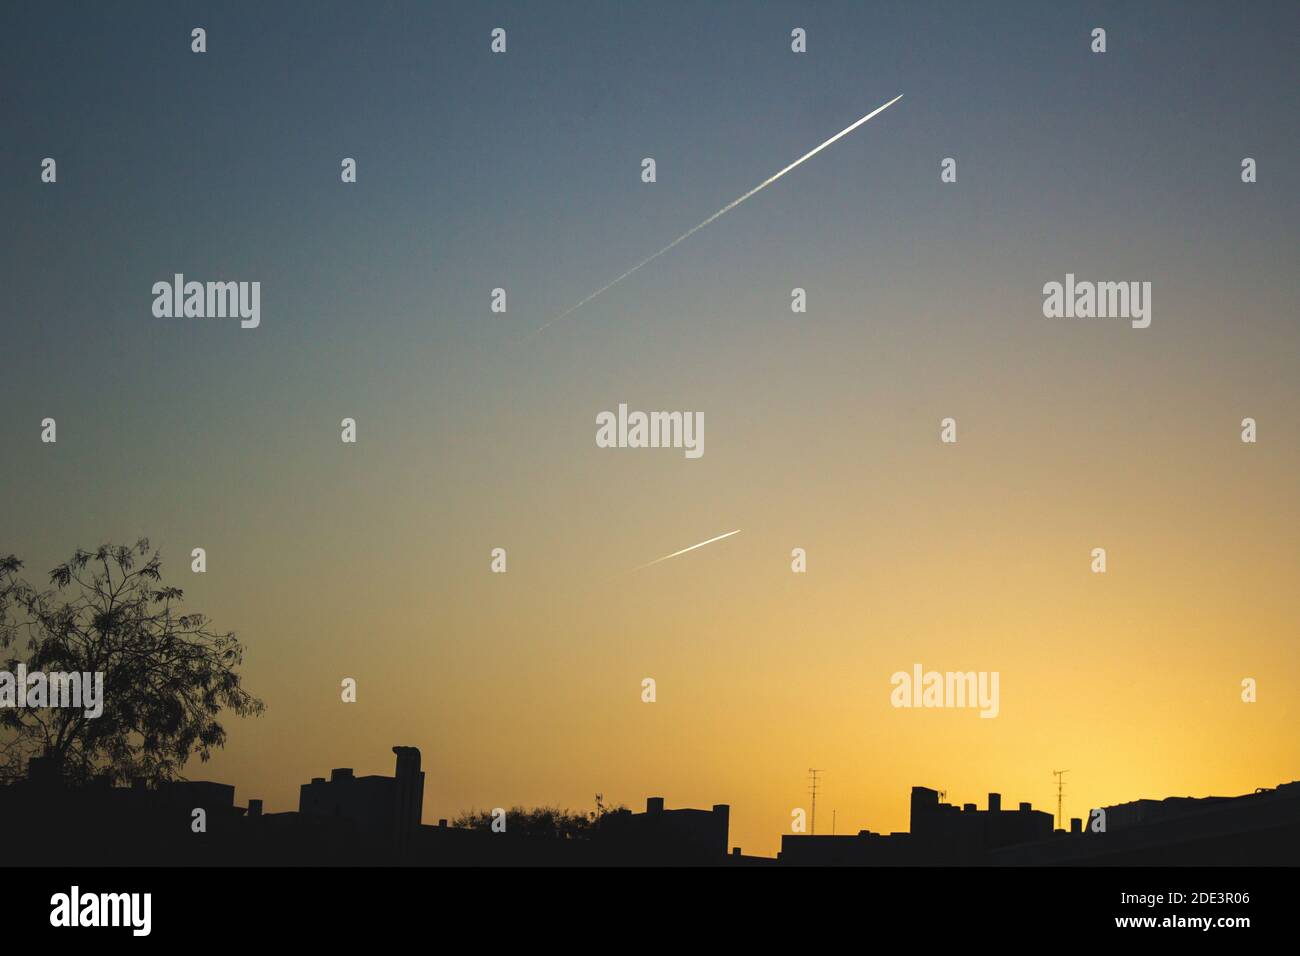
x=554 y=822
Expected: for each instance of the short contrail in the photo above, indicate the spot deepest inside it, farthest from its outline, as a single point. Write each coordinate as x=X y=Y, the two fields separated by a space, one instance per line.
x=725 y=209
x=691 y=548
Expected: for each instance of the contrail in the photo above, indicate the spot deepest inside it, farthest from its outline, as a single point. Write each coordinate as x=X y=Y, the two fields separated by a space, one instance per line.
x=691 y=548
x=725 y=209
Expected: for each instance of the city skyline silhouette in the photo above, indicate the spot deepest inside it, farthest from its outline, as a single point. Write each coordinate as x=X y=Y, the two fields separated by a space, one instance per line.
x=393 y=483
x=349 y=819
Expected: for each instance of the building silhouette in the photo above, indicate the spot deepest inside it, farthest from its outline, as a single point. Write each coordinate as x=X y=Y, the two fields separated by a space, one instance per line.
x=377 y=820
x=941 y=834
x=1255 y=829
x=381 y=809
x=657 y=837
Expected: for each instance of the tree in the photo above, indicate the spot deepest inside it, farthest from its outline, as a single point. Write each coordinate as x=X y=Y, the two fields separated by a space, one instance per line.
x=167 y=675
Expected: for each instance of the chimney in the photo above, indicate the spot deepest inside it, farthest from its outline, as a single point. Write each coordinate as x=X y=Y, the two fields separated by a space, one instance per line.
x=408 y=761
x=442 y=823
x=408 y=797
x=654 y=805
x=254 y=808
x=968 y=808
x=1026 y=807
x=1076 y=825
x=995 y=803
x=340 y=773
x=735 y=851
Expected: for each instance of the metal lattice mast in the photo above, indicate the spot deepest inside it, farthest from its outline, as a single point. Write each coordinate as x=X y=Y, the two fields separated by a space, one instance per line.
x=1060 y=789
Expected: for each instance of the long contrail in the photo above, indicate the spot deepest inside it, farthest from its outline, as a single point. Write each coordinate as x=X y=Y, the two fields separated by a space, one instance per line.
x=691 y=548
x=725 y=209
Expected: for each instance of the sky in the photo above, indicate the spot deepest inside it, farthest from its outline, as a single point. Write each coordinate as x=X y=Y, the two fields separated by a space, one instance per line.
x=522 y=171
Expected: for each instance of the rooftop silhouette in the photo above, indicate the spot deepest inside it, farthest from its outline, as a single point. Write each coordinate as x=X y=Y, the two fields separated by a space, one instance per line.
x=377 y=820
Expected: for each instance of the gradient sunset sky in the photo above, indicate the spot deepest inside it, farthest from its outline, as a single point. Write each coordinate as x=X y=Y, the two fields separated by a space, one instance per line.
x=821 y=430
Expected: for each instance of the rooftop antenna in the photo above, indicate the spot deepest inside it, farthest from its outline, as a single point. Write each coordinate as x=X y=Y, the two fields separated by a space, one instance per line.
x=812 y=788
x=833 y=814
x=1060 y=788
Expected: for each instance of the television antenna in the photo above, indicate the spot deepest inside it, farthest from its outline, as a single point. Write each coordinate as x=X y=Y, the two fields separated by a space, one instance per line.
x=1060 y=789
x=812 y=789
